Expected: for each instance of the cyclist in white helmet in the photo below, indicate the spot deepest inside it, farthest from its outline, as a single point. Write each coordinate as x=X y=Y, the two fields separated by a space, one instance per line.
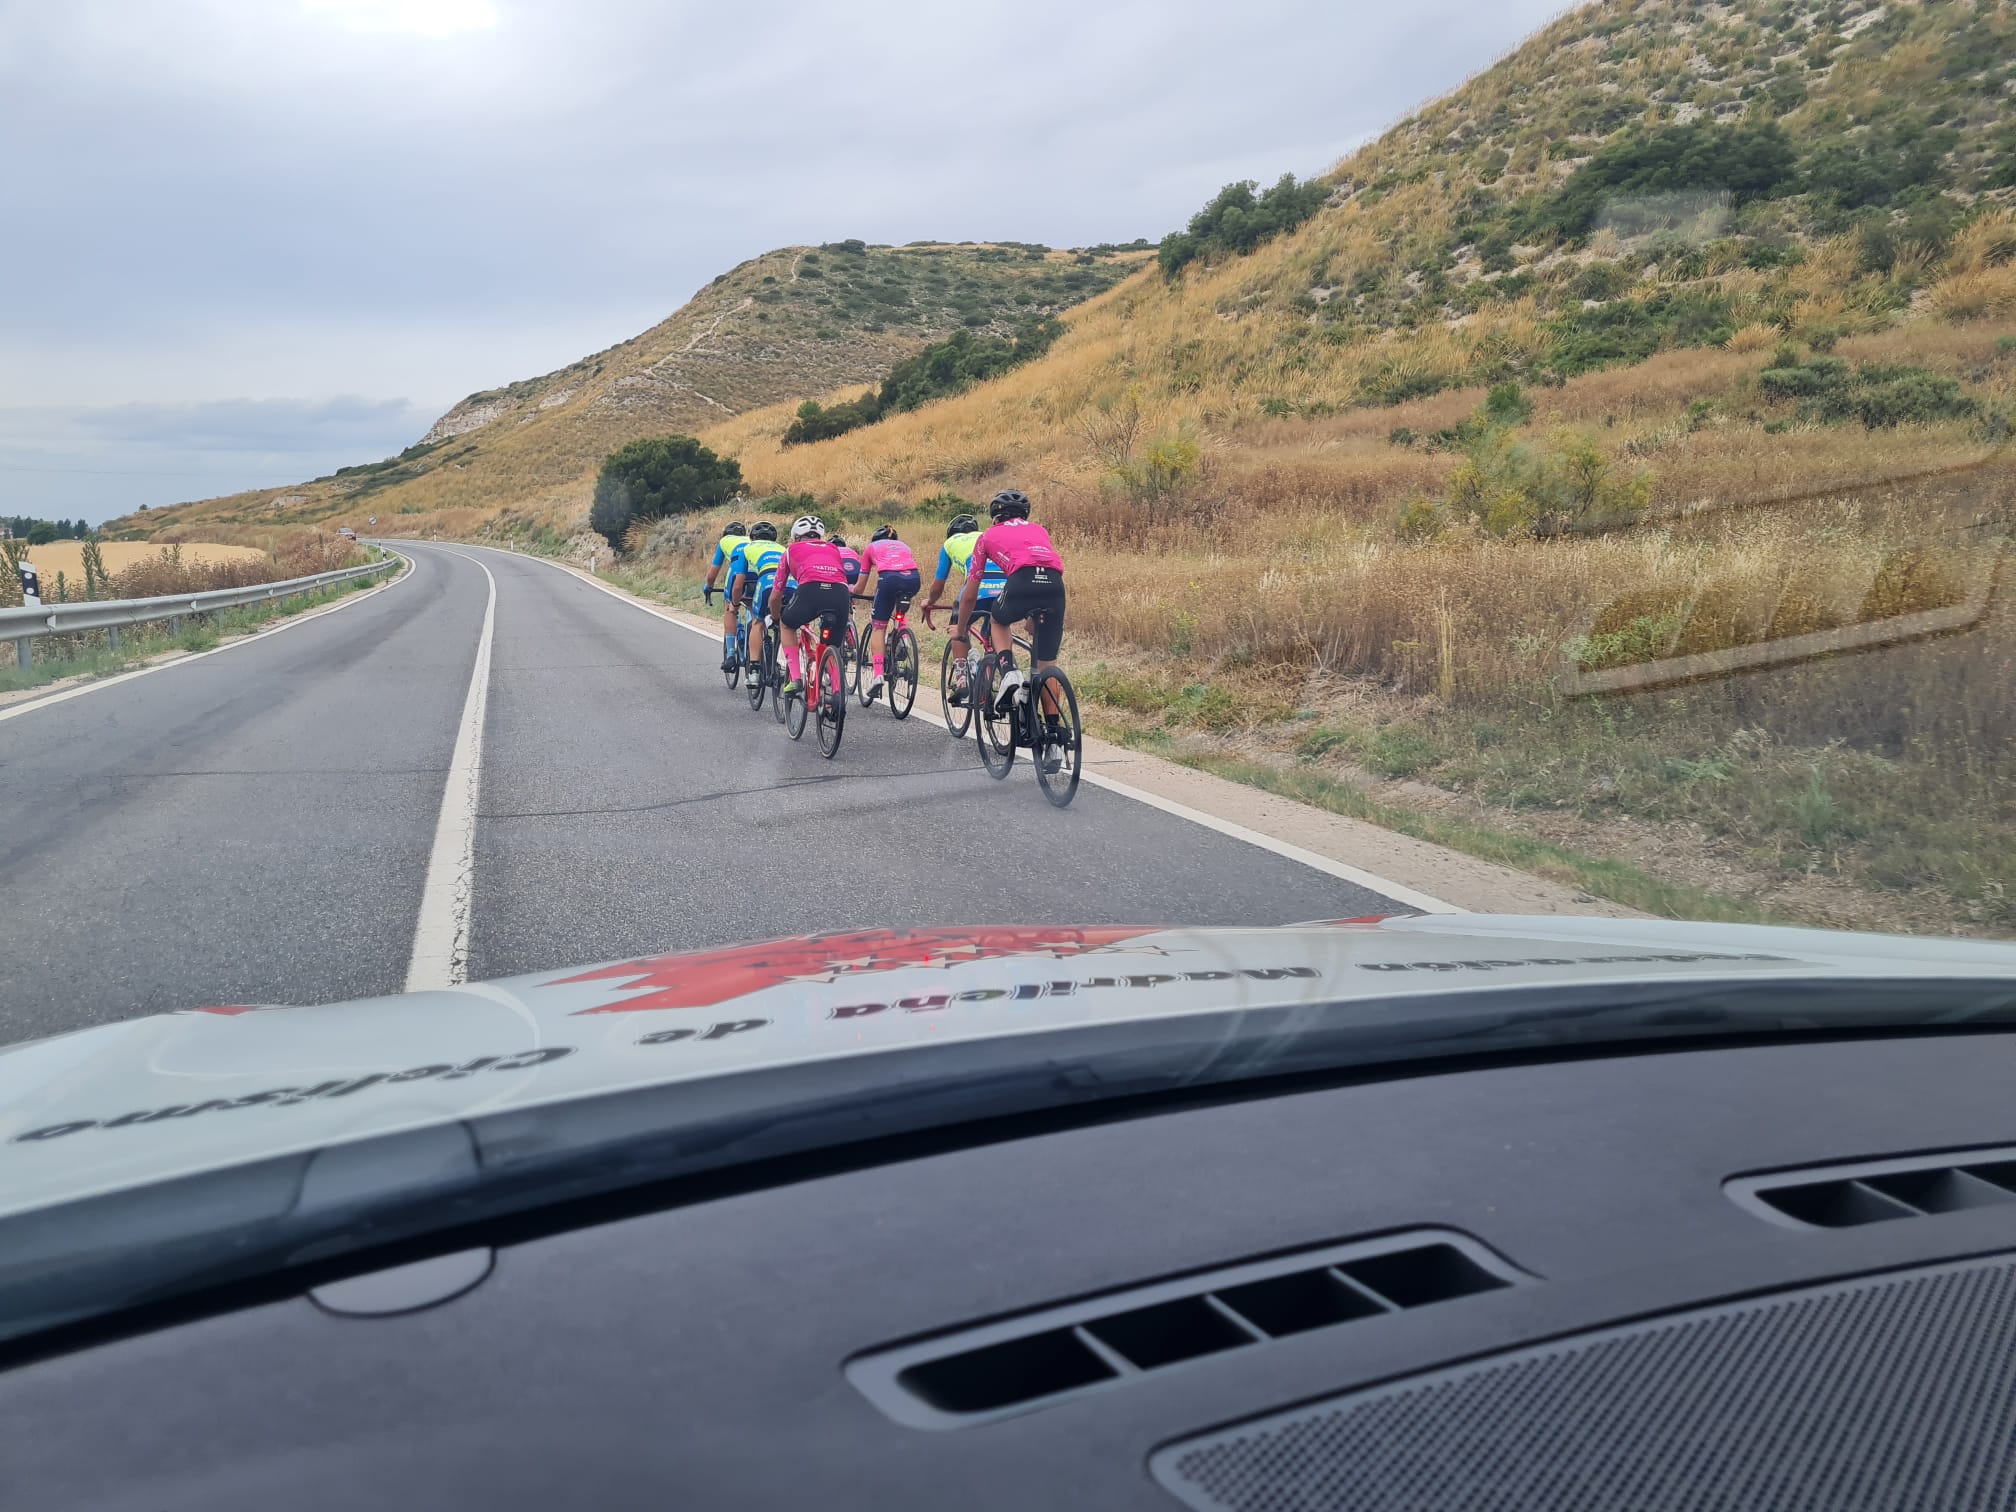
x=819 y=591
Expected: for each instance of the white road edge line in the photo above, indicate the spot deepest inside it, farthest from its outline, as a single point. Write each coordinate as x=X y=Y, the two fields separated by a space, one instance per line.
x=440 y=956
x=1266 y=842
x=15 y=711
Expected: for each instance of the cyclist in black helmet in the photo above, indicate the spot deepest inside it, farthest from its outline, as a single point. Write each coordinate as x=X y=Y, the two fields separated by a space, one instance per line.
x=961 y=535
x=732 y=536
x=1034 y=592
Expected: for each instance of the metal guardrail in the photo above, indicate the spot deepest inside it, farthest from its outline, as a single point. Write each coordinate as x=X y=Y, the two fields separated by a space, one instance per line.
x=23 y=625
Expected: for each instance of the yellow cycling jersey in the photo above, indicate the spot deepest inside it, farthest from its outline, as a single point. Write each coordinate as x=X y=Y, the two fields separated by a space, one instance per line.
x=760 y=556
x=959 y=552
x=960 y=549
x=724 y=552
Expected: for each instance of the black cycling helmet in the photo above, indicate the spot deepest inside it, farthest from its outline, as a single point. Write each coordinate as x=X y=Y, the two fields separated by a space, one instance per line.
x=762 y=530
x=735 y=527
x=883 y=533
x=1010 y=504
x=836 y=540
x=961 y=524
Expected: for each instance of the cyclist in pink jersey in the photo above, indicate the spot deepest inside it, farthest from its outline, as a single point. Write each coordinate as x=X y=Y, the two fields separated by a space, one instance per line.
x=1034 y=590
x=897 y=581
x=813 y=564
x=849 y=558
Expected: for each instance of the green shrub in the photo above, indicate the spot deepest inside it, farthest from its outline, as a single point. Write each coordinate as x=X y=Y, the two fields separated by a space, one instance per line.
x=1237 y=220
x=1630 y=330
x=656 y=476
x=1747 y=161
x=1827 y=391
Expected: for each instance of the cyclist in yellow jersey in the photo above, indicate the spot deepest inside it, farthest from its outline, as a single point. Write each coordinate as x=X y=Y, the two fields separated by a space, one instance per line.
x=751 y=569
x=961 y=536
x=733 y=536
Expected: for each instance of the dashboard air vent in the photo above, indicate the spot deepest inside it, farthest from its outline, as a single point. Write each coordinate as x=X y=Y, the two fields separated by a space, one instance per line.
x=1844 y=1196
x=1034 y=1359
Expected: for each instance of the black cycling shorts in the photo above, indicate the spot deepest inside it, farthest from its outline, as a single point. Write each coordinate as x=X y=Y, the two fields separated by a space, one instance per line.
x=1037 y=595
x=828 y=601
x=892 y=589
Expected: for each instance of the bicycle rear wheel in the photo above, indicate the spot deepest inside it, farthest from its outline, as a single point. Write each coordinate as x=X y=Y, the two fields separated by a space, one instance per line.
x=774 y=670
x=956 y=719
x=792 y=706
x=853 y=655
x=756 y=679
x=1067 y=749
x=733 y=672
x=899 y=667
x=829 y=686
x=995 y=732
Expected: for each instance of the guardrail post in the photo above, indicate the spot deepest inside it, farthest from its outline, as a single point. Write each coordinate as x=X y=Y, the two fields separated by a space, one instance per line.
x=174 y=626
x=112 y=638
x=24 y=655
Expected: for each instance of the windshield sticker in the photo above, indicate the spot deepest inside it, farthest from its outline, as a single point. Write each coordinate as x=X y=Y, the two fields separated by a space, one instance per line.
x=705 y=978
x=1602 y=960
x=293 y=1097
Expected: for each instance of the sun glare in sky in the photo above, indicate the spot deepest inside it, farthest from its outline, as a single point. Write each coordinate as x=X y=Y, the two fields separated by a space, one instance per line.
x=423 y=18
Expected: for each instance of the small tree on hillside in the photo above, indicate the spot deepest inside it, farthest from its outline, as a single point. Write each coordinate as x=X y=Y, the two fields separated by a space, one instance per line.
x=658 y=476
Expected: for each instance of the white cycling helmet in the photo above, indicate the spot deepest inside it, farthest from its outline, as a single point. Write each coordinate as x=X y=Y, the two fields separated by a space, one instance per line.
x=808 y=527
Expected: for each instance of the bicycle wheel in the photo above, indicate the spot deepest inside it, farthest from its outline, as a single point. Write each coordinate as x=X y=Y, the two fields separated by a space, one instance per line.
x=1068 y=753
x=775 y=672
x=830 y=688
x=733 y=673
x=791 y=708
x=995 y=732
x=854 y=656
x=899 y=667
x=756 y=677
x=863 y=664
x=956 y=719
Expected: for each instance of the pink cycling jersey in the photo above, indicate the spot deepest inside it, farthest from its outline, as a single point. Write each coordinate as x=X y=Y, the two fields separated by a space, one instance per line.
x=890 y=556
x=814 y=562
x=1016 y=544
x=849 y=557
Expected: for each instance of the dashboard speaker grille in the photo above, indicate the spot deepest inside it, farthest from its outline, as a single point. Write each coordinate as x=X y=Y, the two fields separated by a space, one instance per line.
x=1892 y=1391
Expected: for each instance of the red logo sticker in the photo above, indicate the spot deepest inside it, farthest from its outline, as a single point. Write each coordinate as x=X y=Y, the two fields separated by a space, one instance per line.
x=702 y=979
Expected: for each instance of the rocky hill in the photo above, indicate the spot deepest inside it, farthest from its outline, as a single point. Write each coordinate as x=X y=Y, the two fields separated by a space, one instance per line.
x=793 y=323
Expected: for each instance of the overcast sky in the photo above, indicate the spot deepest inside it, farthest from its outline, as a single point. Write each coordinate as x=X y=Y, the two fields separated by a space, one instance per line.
x=243 y=242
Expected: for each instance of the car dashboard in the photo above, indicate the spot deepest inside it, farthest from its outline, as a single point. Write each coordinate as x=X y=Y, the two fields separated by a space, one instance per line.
x=1752 y=1274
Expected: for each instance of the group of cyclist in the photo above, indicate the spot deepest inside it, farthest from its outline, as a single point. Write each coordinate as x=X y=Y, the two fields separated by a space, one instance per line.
x=1011 y=571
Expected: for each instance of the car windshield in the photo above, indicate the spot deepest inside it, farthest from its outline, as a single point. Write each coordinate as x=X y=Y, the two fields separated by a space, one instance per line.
x=523 y=517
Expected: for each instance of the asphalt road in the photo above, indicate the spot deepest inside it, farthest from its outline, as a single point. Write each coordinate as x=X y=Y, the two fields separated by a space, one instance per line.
x=256 y=825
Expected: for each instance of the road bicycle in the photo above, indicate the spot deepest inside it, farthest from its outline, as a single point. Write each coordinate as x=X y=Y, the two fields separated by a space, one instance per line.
x=825 y=689
x=955 y=674
x=762 y=670
x=900 y=659
x=738 y=653
x=1055 y=742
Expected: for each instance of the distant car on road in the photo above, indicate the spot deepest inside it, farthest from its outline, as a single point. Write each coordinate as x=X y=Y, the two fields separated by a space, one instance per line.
x=346 y=532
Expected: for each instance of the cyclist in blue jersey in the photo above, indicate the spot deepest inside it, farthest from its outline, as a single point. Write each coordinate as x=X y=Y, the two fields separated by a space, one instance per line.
x=962 y=534
x=732 y=538
x=752 y=568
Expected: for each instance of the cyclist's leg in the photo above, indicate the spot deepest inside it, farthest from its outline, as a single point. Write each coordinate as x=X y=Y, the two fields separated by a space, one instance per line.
x=1046 y=636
